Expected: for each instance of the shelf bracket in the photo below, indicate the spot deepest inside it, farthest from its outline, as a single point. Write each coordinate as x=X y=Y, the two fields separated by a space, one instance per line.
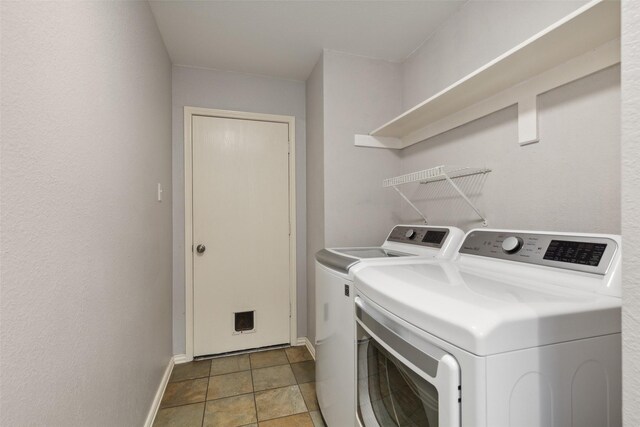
x=528 y=120
x=415 y=208
x=466 y=199
x=378 y=142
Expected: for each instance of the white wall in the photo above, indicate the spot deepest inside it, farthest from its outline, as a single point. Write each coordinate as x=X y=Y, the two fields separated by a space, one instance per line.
x=568 y=181
x=86 y=248
x=315 y=185
x=359 y=93
x=239 y=92
x=631 y=212
x=480 y=31
x=347 y=205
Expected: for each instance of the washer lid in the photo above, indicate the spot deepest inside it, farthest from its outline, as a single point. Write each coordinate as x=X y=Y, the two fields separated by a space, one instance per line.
x=374 y=252
x=487 y=313
x=342 y=259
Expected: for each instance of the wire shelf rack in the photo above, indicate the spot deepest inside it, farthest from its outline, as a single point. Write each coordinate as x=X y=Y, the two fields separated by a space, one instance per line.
x=435 y=174
x=438 y=173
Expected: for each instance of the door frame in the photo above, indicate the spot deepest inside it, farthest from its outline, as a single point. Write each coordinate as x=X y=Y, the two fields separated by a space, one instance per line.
x=189 y=112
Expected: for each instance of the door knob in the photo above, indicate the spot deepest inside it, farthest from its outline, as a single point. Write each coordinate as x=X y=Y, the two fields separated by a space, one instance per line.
x=201 y=248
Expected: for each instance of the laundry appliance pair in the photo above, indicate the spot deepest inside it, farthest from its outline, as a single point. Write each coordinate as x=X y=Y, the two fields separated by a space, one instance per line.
x=494 y=328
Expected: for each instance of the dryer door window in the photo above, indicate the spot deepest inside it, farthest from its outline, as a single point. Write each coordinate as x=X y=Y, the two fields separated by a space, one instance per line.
x=403 y=379
x=391 y=393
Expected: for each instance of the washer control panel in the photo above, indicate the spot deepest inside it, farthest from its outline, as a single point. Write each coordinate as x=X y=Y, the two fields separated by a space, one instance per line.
x=433 y=237
x=512 y=244
x=580 y=253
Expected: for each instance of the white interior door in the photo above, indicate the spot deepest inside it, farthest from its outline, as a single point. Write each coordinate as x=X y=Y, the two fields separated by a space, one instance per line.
x=241 y=219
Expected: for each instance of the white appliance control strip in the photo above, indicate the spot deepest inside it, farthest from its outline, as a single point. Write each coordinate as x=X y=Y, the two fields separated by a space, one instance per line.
x=580 y=253
x=433 y=237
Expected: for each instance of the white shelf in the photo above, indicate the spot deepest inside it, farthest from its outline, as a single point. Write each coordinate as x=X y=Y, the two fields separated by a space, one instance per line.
x=438 y=173
x=580 y=44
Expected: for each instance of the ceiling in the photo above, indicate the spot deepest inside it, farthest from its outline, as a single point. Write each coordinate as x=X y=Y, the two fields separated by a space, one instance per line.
x=285 y=38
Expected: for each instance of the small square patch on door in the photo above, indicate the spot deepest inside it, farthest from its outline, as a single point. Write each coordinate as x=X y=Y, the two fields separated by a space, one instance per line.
x=244 y=321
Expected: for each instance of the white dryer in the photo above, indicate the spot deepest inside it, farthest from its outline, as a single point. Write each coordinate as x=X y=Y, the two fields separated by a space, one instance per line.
x=335 y=322
x=520 y=329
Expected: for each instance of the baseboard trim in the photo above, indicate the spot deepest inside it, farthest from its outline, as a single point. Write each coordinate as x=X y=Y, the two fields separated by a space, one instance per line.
x=181 y=358
x=155 y=405
x=305 y=341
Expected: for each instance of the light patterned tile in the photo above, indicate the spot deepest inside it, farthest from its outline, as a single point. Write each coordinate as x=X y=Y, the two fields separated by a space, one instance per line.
x=184 y=392
x=308 y=391
x=316 y=417
x=229 y=364
x=298 y=354
x=298 y=420
x=230 y=412
x=190 y=371
x=227 y=385
x=279 y=402
x=263 y=359
x=305 y=372
x=180 y=416
x=273 y=377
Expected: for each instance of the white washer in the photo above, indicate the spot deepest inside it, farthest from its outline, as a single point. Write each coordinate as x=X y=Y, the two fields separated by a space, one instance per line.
x=520 y=329
x=335 y=323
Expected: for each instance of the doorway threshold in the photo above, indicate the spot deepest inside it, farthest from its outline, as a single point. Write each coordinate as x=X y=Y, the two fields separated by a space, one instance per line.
x=245 y=351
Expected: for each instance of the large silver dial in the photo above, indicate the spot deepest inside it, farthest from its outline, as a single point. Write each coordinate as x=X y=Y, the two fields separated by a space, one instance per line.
x=511 y=244
x=410 y=234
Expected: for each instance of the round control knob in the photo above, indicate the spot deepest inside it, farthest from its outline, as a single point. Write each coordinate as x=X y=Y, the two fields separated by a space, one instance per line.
x=410 y=234
x=511 y=245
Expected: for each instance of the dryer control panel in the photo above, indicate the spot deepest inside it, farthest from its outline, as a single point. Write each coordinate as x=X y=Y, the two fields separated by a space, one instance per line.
x=580 y=253
x=433 y=237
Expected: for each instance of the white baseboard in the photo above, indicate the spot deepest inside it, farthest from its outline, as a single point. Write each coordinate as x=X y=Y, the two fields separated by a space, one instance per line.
x=155 y=405
x=181 y=358
x=305 y=341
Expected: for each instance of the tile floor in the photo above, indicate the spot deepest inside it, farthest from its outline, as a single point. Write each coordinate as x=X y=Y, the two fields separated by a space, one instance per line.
x=273 y=388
